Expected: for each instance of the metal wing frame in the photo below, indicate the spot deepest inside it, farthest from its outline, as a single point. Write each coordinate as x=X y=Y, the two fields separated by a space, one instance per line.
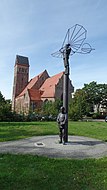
x=75 y=36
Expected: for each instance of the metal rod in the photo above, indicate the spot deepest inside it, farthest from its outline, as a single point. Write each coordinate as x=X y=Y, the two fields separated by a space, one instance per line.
x=65 y=103
x=66 y=54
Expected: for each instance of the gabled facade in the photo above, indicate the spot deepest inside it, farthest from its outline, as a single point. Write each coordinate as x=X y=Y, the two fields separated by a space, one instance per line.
x=32 y=94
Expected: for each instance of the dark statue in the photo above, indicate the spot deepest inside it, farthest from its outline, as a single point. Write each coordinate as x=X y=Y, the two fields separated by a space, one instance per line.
x=61 y=120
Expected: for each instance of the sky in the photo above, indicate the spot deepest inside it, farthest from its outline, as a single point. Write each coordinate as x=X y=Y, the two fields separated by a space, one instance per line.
x=37 y=28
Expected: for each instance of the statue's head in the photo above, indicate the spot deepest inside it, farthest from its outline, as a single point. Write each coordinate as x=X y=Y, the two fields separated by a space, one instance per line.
x=62 y=109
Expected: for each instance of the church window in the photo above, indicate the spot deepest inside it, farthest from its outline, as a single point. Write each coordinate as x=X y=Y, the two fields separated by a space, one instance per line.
x=19 y=69
x=22 y=69
x=46 y=100
x=25 y=70
x=42 y=78
x=33 y=105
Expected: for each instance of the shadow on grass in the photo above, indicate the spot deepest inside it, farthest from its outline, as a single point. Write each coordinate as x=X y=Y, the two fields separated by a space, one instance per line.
x=86 y=143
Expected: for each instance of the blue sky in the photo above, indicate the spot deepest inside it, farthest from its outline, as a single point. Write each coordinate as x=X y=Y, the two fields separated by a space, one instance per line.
x=36 y=28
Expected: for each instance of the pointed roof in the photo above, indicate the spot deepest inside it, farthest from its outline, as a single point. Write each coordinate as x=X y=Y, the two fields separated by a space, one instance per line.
x=22 y=60
x=31 y=83
x=45 y=91
x=34 y=94
x=48 y=86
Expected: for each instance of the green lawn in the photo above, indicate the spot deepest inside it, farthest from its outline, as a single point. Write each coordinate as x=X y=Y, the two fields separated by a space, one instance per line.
x=19 y=130
x=26 y=172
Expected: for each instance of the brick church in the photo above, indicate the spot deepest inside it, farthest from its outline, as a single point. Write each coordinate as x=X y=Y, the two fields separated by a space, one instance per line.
x=29 y=95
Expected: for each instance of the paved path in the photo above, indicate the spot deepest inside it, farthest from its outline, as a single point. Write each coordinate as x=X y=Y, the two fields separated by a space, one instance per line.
x=78 y=147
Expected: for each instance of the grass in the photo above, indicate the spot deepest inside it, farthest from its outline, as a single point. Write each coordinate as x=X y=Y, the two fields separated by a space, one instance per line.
x=19 y=130
x=96 y=130
x=26 y=172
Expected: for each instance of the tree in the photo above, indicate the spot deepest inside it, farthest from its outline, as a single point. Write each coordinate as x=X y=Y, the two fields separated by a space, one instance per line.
x=96 y=94
x=5 y=109
x=79 y=106
x=2 y=99
x=51 y=108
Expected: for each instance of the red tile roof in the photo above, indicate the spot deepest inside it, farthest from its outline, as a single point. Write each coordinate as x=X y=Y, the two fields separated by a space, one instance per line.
x=48 y=86
x=34 y=94
x=47 y=89
x=31 y=83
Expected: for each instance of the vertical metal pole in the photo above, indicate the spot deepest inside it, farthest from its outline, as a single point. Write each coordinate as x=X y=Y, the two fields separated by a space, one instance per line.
x=65 y=103
x=66 y=54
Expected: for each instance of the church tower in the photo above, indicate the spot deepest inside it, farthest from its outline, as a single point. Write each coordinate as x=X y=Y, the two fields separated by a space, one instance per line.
x=21 y=76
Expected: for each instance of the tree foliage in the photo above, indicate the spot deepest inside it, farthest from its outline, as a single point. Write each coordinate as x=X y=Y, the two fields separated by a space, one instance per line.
x=79 y=106
x=5 y=109
x=96 y=94
x=51 y=108
x=86 y=99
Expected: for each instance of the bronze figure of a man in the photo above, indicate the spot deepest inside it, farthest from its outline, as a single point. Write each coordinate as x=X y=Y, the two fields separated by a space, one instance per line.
x=61 y=120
